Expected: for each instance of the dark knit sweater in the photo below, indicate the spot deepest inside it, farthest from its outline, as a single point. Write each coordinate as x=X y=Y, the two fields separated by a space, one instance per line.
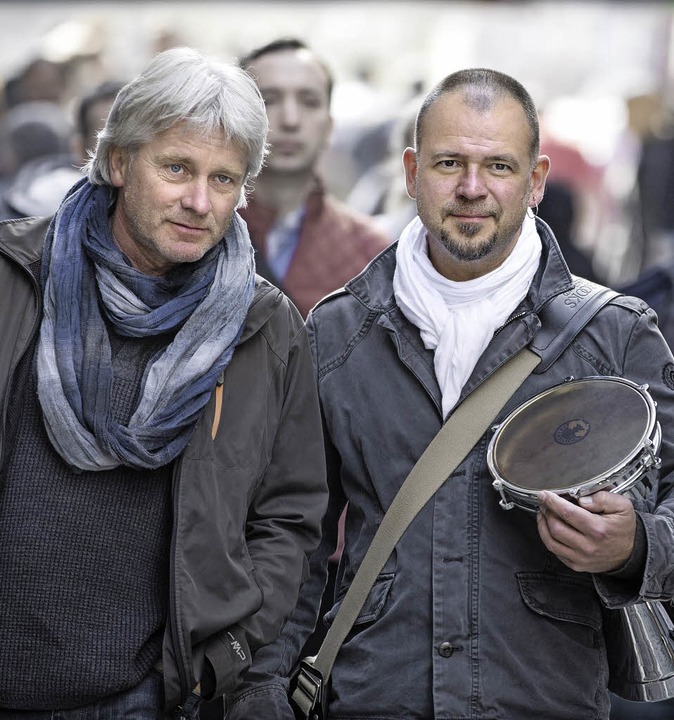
x=83 y=558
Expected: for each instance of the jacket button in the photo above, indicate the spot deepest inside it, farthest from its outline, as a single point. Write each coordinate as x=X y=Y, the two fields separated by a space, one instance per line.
x=446 y=649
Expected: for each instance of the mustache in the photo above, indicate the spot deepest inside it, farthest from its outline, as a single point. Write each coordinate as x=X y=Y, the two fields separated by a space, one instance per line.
x=467 y=209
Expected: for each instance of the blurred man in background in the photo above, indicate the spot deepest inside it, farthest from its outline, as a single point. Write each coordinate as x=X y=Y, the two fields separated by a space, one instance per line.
x=92 y=111
x=308 y=242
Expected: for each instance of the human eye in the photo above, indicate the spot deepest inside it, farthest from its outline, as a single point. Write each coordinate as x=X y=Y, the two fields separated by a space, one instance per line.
x=502 y=165
x=311 y=100
x=447 y=163
x=270 y=97
x=223 y=182
x=172 y=170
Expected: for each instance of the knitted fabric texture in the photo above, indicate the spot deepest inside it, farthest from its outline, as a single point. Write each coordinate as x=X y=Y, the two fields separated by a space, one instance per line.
x=84 y=558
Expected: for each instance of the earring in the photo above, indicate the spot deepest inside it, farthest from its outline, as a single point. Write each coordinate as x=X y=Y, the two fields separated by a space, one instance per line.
x=533 y=211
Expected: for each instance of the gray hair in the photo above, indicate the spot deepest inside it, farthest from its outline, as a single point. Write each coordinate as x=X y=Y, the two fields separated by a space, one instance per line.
x=182 y=85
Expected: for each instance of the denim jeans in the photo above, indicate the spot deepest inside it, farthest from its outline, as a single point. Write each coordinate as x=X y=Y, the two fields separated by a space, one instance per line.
x=144 y=702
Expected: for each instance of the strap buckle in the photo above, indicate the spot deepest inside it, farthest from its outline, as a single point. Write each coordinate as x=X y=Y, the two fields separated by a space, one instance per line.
x=307 y=691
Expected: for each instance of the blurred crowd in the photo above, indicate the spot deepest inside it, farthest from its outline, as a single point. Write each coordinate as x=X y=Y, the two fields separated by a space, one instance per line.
x=46 y=129
x=614 y=219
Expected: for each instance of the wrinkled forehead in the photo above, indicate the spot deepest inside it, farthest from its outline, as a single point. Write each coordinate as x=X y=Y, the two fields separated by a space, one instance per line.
x=480 y=115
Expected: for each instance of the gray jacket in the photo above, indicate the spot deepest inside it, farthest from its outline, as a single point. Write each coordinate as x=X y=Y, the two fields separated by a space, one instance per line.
x=471 y=617
x=247 y=502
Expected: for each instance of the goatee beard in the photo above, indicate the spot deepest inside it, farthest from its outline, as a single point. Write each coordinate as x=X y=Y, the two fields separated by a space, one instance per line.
x=464 y=252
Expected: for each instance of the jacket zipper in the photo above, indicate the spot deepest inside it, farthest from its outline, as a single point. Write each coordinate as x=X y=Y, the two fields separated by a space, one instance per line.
x=496 y=332
x=181 y=658
x=39 y=307
x=512 y=319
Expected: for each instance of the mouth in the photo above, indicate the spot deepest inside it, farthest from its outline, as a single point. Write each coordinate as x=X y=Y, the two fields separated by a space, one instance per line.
x=189 y=229
x=472 y=216
x=287 y=147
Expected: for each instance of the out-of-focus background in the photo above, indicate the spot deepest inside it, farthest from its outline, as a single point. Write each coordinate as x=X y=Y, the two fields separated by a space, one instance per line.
x=602 y=74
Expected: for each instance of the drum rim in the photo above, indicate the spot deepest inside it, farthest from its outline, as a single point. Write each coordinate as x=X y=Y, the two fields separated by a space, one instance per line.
x=578 y=488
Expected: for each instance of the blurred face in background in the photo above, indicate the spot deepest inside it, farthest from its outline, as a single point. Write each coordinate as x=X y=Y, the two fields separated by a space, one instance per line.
x=295 y=90
x=96 y=116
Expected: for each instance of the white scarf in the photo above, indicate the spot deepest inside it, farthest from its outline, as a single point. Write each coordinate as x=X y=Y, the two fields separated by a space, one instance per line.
x=458 y=319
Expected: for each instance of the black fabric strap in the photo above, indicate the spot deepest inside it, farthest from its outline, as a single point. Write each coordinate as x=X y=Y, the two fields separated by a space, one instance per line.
x=565 y=316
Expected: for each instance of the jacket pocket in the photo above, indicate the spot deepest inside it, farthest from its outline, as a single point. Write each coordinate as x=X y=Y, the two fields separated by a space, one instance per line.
x=373 y=604
x=559 y=647
x=561 y=597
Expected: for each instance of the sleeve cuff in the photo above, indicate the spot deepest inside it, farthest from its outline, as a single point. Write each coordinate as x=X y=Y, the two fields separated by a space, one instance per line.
x=228 y=658
x=634 y=568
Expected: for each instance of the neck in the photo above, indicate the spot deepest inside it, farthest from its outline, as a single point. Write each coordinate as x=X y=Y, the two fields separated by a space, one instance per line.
x=284 y=193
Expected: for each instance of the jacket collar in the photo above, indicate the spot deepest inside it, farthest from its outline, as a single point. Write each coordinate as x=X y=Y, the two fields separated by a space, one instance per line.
x=266 y=300
x=373 y=287
x=23 y=239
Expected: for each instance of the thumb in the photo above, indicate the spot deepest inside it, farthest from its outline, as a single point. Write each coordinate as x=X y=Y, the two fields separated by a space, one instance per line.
x=588 y=502
x=603 y=502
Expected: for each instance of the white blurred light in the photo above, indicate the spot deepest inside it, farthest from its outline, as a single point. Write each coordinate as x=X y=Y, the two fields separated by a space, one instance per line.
x=593 y=125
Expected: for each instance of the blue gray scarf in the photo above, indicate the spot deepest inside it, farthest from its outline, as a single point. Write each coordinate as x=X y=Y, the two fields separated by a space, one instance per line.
x=203 y=303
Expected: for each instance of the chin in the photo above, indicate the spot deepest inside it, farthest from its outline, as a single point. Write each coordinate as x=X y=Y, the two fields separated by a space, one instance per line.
x=189 y=254
x=289 y=166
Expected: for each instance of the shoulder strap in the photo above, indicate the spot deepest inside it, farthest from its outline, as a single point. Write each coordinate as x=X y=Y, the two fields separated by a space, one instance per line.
x=448 y=448
x=561 y=320
x=565 y=316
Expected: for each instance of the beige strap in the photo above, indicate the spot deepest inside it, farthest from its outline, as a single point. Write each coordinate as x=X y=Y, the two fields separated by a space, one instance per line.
x=218 y=409
x=448 y=449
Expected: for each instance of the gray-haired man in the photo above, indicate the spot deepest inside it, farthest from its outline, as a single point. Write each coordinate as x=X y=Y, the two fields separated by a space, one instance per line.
x=162 y=472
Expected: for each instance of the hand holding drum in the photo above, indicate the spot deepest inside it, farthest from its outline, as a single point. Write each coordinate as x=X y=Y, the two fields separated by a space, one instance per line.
x=578 y=453
x=594 y=535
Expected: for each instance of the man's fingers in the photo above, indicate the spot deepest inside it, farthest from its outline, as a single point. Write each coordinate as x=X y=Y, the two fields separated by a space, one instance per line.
x=605 y=502
x=595 y=535
x=569 y=512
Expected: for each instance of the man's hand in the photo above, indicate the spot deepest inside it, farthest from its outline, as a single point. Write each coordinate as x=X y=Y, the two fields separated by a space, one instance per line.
x=596 y=535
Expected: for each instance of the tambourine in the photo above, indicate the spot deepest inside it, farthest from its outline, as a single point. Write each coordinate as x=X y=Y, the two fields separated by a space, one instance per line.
x=574 y=439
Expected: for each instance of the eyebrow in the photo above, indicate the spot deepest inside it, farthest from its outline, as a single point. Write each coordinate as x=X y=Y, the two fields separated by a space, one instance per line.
x=506 y=158
x=174 y=157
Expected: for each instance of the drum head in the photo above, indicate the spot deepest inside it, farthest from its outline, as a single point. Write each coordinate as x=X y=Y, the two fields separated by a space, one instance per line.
x=578 y=432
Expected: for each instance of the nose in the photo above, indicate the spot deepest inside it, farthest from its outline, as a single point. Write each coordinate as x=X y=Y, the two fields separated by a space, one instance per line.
x=471 y=185
x=196 y=196
x=290 y=113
